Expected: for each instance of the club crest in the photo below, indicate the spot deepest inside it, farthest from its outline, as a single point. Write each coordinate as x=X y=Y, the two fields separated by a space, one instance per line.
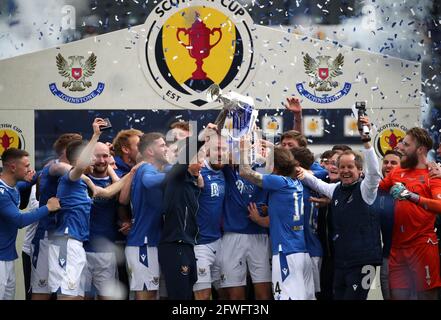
x=76 y=71
x=322 y=72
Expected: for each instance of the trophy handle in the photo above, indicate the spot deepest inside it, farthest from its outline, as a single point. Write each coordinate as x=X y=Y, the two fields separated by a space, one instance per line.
x=220 y=36
x=185 y=32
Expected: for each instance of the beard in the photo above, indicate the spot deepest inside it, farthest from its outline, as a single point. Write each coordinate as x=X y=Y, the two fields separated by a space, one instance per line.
x=100 y=168
x=409 y=162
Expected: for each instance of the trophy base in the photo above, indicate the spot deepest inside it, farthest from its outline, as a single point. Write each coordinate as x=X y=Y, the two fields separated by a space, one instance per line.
x=198 y=84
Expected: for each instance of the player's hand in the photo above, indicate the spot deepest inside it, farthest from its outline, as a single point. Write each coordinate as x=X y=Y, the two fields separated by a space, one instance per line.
x=29 y=176
x=110 y=145
x=293 y=104
x=195 y=169
x=320 y=202
x=300 y=173
x=136 y=167
x=253 y=212
x=97 y=123
x=125 y=228
x=96 y=191
x=400 y=192
x=53 y=204
x=364 y=120
x=434 y=169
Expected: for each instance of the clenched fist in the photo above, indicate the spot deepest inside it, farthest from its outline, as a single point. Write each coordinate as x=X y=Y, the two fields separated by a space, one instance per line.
x=53 y=204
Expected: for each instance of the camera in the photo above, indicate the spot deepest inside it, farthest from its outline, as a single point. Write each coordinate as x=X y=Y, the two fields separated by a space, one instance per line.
x=361 y=107
x=107 y=126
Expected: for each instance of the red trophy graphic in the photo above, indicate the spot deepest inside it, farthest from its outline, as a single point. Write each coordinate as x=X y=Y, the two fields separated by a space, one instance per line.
x=199 y=48
x=6 y=141
x=391 y=140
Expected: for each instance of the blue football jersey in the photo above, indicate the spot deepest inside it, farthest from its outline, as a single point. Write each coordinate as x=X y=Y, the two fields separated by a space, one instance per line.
x=285 y=209
x=313 y=244
x=238 y=194
x=47 y=189
x=11 y=219
x=73 y=220
x=146 y=201
x=103 y=219
x=211 y=201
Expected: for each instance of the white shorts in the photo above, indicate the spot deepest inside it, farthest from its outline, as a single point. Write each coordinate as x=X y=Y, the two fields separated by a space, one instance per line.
x=316 y=266
x=292 y=277
x=208 y=264
x=7 y=280
x=101 y=273
x=240 y=250
x=40 y=267
x=67 y=264
x=143 y=268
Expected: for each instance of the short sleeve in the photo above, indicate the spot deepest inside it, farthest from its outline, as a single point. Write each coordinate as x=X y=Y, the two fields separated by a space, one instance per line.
x=273 y=182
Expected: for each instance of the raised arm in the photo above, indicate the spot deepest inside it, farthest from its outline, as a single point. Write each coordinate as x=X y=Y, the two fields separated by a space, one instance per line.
x=293 y=105
x=124 y=195
x=249 y=174
x=326 y=189
x=112 y=174
x=369 y=185
x=245 y=170
x=113 y=189
x=86 y=155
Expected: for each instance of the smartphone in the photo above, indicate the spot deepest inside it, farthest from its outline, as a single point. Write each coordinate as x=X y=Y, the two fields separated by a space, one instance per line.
x=107 y=126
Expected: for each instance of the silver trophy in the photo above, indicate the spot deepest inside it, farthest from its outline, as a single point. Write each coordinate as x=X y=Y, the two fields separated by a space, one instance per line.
x=238 y=115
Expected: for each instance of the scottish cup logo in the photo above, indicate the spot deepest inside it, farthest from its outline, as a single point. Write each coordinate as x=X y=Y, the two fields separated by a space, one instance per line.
x=11 y=136
x=388 y=137
x=322 y=72
x=77 y=72
x=190 y=47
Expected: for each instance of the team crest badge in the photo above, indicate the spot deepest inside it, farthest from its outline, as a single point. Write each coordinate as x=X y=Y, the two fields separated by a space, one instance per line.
x=155 y=281
x=202 y=272
x=71 y=285
x=322 y=72
x=185 y=270
x=42 y=283
x=77 y=71
x=189 y=47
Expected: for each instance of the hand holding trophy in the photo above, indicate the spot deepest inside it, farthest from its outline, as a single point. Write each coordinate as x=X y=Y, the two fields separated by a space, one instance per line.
x=237 y=118
x=238 y=115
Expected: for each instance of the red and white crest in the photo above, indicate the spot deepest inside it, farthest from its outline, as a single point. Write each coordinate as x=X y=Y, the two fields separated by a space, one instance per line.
x=77 y=73
x=323 y=73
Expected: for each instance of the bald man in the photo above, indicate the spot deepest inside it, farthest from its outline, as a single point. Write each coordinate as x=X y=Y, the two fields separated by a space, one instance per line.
x=101 y=270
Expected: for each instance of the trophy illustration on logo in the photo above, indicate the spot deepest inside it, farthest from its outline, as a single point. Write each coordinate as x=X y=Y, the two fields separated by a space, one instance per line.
x=199 y=48
x=391 y=140
x=6 y=141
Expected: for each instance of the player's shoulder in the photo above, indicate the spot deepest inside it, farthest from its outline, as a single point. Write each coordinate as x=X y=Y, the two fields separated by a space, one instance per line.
x=6 y=192
x=147 y=167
